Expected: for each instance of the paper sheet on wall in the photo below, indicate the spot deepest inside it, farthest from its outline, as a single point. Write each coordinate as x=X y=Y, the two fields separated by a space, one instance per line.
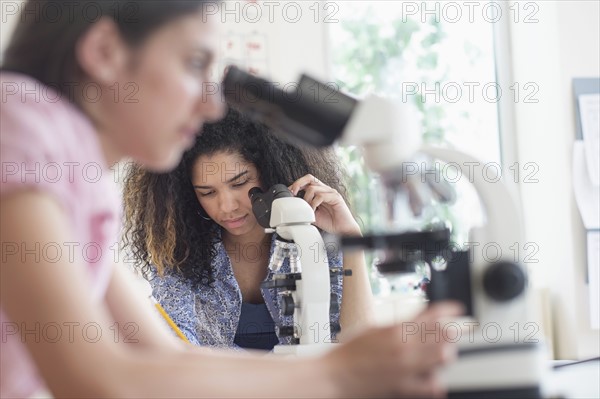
x=589 y=114
x=277 y=41
x=586 y=193
x=593 y=261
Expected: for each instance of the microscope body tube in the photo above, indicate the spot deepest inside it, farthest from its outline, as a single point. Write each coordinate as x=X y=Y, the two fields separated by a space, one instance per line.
x=292 y=220
x=388 y=132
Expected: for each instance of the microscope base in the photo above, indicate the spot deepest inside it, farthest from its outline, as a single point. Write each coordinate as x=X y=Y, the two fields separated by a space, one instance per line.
x=303 y=350
x=497 y=371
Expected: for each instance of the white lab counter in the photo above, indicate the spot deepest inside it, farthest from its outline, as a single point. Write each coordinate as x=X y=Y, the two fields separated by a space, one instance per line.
x=576 y=381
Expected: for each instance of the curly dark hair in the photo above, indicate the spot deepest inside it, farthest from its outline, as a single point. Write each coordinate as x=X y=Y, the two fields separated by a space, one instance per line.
x=162 y=224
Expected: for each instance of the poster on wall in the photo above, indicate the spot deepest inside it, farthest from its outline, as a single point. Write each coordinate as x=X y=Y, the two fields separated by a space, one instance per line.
x=278 y=40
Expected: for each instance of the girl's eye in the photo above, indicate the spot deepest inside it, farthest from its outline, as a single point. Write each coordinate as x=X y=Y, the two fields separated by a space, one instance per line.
x=240 y=184
x=198 y=64
x=206 y=194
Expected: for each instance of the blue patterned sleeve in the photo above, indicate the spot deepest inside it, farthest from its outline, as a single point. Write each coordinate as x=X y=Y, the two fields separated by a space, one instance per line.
x=176 y=296
x=335 y=261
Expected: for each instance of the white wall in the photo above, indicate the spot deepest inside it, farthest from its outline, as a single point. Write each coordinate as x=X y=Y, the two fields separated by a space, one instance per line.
x=8 y=19
x=564 y=44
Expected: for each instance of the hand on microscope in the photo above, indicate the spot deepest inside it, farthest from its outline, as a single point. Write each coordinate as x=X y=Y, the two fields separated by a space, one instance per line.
x=331 y=211
x=401 y=360
x=333 y=215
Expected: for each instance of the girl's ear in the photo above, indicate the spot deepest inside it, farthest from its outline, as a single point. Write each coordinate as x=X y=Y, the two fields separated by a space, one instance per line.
x=102 y=53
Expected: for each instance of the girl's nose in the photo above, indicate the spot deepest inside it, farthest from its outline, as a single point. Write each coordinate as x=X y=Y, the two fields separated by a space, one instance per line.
x=228 y=203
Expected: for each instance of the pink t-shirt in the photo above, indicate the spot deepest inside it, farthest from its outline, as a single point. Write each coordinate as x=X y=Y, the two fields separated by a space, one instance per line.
x=49 y=145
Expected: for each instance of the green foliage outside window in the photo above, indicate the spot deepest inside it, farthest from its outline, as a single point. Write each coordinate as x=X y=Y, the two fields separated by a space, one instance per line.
x=373 y=52
x=371 y=62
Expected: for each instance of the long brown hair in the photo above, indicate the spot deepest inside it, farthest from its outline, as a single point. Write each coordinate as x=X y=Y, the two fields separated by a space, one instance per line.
x=163 y=227
x=44 y=41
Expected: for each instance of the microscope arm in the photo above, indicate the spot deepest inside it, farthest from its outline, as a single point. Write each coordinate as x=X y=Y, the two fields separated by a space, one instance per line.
x=502 y=229
x=313 y=290
x=495 y=197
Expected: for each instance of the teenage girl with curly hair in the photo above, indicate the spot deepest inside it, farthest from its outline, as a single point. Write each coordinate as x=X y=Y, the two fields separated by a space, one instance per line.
x=194 y=236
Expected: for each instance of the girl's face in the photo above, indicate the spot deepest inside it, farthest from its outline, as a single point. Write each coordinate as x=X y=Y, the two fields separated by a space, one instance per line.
x=163 y=97
x=221 y=182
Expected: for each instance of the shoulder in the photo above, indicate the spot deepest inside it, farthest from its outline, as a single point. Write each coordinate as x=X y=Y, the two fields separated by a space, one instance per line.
x=220 y=262
x=30 y=108
x=169 y=277
x=46 y=141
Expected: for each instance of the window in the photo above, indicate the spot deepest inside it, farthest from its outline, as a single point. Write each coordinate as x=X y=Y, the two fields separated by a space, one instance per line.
x=442 y=61
x=440 y=57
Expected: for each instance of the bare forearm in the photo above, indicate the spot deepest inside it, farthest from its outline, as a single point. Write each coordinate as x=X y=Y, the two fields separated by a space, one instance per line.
x=119 y=370
x=132 y=312
x=357 y=300
x=205 y=373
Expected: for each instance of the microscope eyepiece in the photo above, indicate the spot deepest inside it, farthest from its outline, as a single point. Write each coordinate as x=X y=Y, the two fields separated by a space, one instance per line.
x=254 y=191
x=262 y=201
x=260 y=207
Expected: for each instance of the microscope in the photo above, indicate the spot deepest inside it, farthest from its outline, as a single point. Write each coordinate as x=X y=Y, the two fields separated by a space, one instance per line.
x=497 y=358
x=304 y=293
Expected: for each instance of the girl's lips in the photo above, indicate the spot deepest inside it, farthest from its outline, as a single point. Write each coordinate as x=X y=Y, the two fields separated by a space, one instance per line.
x=235 y=223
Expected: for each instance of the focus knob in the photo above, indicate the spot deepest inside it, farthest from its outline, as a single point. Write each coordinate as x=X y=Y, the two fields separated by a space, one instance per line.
x=504 y=281
x=285 y=331
x=286 y=303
